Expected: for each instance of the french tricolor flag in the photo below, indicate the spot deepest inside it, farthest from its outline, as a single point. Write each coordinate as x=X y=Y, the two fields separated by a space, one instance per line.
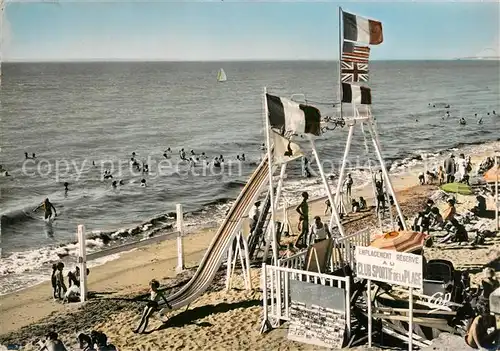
x=362 y=30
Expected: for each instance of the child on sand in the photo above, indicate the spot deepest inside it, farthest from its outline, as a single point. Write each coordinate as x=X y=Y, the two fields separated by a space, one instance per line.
x=152 y=306
x=61 y=287
x=328 y=206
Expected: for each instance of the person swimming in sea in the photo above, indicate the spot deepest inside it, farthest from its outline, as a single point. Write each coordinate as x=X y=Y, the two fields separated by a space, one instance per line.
x=121 y=182
x=108 y=175
x=182 y=154
x=462 y=121
x=242 y=158
x=143 y=182
x=66 y=184
x=48 y=207
x=26 y=156
x=114 y=184
x=216 y=162
x=221 y=159
x=480 y=121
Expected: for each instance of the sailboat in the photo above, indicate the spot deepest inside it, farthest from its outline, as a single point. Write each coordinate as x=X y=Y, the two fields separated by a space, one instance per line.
x=221 y=76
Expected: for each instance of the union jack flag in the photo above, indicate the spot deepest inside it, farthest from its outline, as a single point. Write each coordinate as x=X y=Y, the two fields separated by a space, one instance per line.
x=352 y=72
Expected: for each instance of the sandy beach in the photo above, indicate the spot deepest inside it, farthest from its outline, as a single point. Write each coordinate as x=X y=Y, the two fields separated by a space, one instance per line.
x=219 y=319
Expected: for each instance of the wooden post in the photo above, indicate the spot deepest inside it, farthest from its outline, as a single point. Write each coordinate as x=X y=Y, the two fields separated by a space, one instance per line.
x=82 y=262
x=180 y=234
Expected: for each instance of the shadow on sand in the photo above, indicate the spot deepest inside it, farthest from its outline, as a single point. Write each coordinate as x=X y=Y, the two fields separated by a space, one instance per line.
x=190 y=316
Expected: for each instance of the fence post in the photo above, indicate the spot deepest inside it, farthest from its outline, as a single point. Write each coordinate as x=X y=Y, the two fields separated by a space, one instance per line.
x=180 y=234
x=82 y=262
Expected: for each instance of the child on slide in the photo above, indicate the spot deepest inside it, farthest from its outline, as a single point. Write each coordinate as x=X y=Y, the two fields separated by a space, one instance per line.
x=152 y=305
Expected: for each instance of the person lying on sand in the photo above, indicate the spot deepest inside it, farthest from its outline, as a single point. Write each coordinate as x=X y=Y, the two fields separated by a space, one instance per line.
x=152 y=306
x=477 y=335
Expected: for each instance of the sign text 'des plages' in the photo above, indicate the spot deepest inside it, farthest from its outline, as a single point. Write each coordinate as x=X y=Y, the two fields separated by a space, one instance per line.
x=391 y=267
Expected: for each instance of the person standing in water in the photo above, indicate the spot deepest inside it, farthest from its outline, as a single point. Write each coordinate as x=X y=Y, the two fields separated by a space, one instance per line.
x=48 y=207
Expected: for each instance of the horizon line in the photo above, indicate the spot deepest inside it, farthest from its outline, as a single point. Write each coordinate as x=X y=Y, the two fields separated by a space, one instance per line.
x=114 y=60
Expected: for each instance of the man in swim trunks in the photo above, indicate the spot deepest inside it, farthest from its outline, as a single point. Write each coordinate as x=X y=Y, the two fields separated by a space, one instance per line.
x=303 y=211
x=48 y=207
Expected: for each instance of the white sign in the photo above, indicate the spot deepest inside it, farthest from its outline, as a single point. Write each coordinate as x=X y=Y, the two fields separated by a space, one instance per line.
x=389 y=266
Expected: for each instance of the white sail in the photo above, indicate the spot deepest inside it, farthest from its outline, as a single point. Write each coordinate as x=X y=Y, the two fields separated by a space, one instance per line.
x=221 y=76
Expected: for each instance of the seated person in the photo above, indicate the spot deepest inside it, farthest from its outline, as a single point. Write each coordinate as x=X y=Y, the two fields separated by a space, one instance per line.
x=354 y=205
x=290 y=251
x=477 y=335
x=428 y=206
x=456 y=232
x=421 y=223
x=318 y=231
x=436 y=220
x=490 y=283
x=362 y=203
x=421 y=178
x=450 y=212
x=431 y=177
x=480 y=208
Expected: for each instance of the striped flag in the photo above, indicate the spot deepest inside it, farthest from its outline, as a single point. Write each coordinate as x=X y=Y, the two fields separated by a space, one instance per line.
x=354 y=53
x=289 y=116
x=362 y=30
x=352 y=72
x=356 y=94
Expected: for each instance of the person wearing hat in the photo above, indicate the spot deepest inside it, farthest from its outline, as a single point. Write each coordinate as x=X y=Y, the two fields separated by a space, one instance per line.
x=254 y=216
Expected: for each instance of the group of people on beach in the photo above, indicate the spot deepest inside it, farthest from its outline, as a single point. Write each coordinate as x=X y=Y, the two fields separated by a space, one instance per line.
x=453 y=170
x=62 y=292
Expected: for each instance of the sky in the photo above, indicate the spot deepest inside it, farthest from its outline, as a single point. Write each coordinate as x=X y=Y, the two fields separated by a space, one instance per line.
x=240 y=30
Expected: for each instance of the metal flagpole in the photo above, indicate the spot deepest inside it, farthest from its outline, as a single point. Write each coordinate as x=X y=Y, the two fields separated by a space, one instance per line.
x=497 y=155
x=328 y=192
x=278 y=195
x=338 y=198
x=2 y=19
x=385 y=174
x=271 y=188
x=371 y=173
x=340 y=59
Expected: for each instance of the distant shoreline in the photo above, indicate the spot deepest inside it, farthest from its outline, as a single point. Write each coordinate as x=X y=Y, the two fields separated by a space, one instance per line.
x=236 y=61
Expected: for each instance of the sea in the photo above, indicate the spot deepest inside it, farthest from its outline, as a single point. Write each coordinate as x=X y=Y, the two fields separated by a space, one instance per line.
x=82 y=119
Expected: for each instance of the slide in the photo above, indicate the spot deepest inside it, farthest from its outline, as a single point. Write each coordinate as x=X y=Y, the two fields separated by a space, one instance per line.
x=215 y=253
